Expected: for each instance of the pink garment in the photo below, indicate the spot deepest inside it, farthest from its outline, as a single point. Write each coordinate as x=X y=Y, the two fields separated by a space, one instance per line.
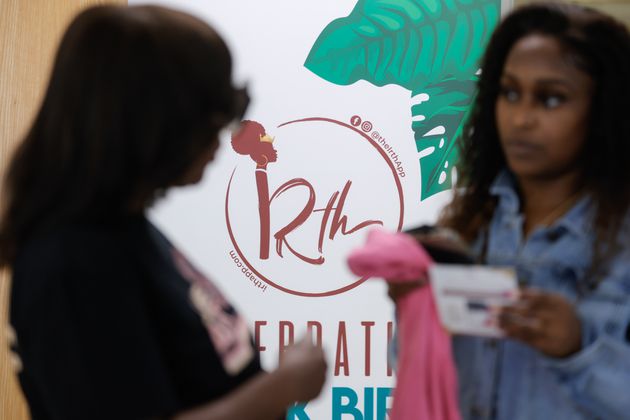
x=426 y=386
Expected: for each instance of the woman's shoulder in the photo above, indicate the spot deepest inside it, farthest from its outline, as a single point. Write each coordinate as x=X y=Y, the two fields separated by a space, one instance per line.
x=78 y=246
x=82 y=263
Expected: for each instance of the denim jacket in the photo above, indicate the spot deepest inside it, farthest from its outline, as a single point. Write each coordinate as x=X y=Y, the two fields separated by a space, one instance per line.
x=508 y=380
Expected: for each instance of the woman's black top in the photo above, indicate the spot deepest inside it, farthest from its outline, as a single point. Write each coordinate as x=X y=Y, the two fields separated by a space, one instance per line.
x=112 y=322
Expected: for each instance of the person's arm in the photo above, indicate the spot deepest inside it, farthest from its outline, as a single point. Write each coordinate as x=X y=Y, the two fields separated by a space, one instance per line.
x=597 y=377
x=585 y=344
x=300 y=377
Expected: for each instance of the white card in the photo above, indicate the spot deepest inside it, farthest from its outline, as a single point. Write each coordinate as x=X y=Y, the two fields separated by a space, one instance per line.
x=464 y=295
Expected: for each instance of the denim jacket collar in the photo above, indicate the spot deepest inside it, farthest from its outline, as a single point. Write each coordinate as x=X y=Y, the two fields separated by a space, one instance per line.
x=577 y=221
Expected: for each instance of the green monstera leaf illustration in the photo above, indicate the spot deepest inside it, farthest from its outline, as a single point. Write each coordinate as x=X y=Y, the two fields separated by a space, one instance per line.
x=430 y=47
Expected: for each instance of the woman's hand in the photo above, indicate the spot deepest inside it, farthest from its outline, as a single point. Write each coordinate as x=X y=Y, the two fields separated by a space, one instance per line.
x=299 y=377
x=304 y=366
x=545 y=321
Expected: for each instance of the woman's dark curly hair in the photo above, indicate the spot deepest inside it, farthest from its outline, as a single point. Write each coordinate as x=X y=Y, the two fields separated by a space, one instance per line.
x=136 y=96
x=599 y=46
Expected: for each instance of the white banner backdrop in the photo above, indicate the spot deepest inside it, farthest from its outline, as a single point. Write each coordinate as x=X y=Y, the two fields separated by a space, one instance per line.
x=349 y=156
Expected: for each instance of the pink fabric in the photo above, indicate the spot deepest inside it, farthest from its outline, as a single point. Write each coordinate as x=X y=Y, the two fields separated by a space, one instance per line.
x=426 y=387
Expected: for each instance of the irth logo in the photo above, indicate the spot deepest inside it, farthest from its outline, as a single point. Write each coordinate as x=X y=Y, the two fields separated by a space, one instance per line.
x=303 y=196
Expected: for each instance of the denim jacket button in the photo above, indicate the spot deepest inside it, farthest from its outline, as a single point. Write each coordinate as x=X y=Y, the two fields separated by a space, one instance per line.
x=611 y=328
x=553 y=235
x=476 y=411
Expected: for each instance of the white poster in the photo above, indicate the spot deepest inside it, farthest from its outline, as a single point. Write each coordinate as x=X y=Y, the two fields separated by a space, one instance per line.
x=355 y=108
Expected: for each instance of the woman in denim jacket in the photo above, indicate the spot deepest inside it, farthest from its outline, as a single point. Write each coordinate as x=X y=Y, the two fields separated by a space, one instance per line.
x=545 y=187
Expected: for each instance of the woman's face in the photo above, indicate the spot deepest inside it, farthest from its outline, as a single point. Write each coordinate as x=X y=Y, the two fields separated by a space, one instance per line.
x=195 y=173
x=269 y=152
x=542 y=111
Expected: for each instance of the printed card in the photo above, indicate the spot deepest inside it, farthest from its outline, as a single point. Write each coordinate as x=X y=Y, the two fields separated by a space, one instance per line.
x=464 y=295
